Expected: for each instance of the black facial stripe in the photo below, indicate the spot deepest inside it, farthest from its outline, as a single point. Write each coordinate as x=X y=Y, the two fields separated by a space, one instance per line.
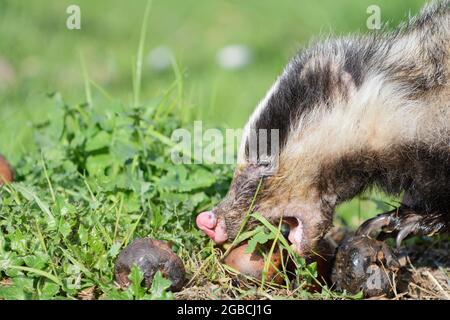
x=300 y=90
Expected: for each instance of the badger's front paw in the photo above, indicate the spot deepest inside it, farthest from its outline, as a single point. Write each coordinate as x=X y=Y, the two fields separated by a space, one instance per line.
x=403 y=222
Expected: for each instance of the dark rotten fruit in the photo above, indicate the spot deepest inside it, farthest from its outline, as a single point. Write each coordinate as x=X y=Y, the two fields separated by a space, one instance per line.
x=252 y=264
x=6 y=172
x=364 y=264
x=150 y=256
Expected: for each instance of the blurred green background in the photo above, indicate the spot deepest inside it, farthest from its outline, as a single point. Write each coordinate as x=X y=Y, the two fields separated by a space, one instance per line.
x=39 y=55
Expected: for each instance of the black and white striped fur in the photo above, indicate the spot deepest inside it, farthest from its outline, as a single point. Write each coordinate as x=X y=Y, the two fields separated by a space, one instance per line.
x=353 y=113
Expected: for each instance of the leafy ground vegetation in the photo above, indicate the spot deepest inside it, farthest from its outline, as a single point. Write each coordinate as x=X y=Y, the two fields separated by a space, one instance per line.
x=100 y=180
x=91 y=177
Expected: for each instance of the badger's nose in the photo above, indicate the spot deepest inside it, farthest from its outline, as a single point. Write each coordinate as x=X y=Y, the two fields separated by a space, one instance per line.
x=213 y=227
x=207 y=220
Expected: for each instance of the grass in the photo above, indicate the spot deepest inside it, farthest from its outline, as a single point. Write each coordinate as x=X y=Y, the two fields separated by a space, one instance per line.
x=99 y=181
x=94 y=169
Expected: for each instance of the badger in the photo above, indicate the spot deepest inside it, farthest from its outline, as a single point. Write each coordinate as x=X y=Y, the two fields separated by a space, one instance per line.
x=351 y=113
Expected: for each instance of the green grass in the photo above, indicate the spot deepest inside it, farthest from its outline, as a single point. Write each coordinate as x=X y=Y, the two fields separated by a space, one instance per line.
x=100 y=180
x=93 y=169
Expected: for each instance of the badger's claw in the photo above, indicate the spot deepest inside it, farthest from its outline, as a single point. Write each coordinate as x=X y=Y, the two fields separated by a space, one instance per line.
x=404 y=232
x=403 y=222
x=381 y=221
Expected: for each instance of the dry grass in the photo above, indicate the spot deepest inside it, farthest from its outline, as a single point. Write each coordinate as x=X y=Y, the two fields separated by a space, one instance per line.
x=427 y=273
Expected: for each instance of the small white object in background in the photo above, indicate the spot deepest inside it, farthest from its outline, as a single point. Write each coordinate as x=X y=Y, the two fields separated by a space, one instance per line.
x=160 y=58
x=234 y=56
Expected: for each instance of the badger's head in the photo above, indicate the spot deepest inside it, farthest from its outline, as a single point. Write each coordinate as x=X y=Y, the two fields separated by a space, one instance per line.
x=307 y=215
x=293 y=186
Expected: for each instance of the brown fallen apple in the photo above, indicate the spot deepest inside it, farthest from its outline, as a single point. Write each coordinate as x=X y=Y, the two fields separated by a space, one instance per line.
x=6 y=172
x=150 y=256
x=252 y=264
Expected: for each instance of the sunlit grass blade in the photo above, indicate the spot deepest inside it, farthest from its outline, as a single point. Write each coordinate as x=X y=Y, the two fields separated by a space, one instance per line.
x=39 y=273
x=245 y=220
x=87 y=85
x=140 y=57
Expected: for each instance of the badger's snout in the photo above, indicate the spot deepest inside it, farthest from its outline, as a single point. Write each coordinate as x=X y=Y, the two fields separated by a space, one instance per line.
x=215 y=228
x=212 y=226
